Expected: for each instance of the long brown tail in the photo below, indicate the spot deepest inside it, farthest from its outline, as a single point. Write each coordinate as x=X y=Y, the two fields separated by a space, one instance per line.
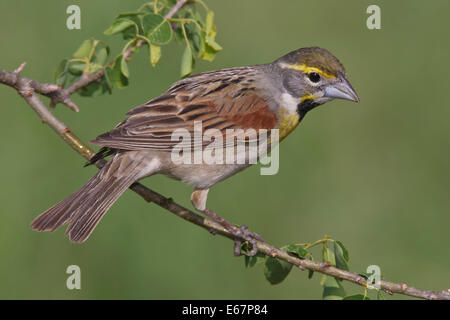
x=84 y=208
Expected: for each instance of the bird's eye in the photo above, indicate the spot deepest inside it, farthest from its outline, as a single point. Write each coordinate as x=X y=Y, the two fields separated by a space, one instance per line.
x=314 y=77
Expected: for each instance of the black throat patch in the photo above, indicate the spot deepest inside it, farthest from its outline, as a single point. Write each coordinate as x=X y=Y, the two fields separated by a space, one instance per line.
x=304 y=106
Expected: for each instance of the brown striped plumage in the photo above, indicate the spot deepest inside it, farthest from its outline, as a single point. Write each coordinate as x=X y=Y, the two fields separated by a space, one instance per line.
x=221 y=100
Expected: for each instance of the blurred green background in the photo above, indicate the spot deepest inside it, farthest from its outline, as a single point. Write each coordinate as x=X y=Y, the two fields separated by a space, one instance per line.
x=374 y=175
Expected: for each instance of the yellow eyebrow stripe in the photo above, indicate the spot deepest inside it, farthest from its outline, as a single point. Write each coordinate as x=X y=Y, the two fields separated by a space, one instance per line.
x=304 y=68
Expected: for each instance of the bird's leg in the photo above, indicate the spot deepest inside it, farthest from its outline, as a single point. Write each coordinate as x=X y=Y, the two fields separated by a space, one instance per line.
x=199 y=197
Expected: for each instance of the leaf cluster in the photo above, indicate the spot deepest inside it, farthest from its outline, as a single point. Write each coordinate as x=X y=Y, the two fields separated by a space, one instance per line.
x=192 y=26
x=333 y=253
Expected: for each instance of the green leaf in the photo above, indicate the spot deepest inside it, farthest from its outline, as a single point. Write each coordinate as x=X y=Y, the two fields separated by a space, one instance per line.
x=170 y=3
x=344 y=250
x=209 y=25
x=107 y=86
x=356 y=297
x=147 y=8
x=155 y=54
x=115 y=74
x=310 y=272
x=254 y=260
x=187 y=61
x=130 y=32
x=124 y=67
x=208 y=37
x=71 y=79
x=119 y=26
x=102 y=55
x=323 y=279
x=213 y=44
x=84 y=50
x=156 y=29
x=298 y=250
x=90 y=89
x=178 y=33
x=196 y=37
x=94 y=67
x=276 y=270
x=209 y=52
x=130 y=14
x=61 y=73
x=199 y=43
x=328 y=256
x=341 y=262
x=77 y=67
x=188 y=13
x=96 y=88
x=333 y=289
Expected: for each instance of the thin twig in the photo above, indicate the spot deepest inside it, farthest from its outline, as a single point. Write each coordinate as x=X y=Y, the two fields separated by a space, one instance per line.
x=63 y=95
x=27 y=89
x=175 y=8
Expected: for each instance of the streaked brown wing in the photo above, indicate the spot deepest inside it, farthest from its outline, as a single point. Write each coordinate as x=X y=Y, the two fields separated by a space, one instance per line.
x=222 y=99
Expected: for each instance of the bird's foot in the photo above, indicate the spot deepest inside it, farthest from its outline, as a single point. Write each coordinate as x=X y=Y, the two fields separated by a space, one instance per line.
x=241 y=234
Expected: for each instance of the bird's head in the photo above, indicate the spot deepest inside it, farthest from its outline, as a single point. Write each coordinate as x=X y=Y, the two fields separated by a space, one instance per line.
x=313 y=76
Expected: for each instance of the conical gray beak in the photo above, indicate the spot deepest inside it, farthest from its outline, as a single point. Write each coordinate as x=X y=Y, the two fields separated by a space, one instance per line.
x=341 y=90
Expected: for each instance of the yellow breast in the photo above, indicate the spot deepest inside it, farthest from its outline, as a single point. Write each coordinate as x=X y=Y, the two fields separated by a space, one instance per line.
x=287 y=122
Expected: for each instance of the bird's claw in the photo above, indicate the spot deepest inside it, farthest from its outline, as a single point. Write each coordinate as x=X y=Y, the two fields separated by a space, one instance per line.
x=242 y=233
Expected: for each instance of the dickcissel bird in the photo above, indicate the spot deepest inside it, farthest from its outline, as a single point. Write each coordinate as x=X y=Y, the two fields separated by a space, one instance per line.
x=261 y=97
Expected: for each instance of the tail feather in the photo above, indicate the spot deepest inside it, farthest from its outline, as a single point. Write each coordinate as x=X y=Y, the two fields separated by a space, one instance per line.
x=89 y=214
x=84 y=209
x=60 y=213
